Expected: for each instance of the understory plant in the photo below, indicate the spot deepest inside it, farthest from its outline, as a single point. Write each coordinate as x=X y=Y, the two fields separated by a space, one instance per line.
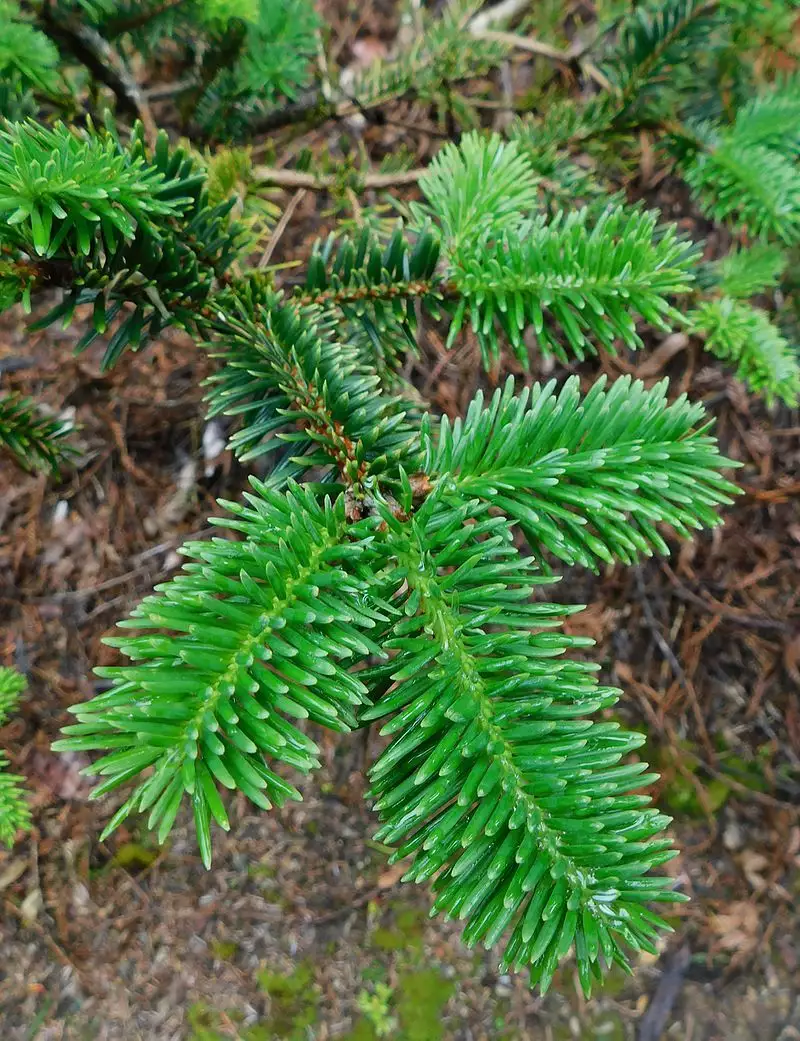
x=388 y=564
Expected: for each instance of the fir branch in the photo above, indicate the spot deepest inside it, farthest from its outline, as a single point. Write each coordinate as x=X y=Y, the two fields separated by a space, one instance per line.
x=374 y=284
x=477 y=191
x=563 y=122
x=740 y=333
x=27 y=54
x=750 y=186
x=279 y=43
x=301 y=392
x=495 y=781
x=444 y=54
x=255 y=61
x=562 y=181
x=772 y=118
x=746 y=272
x=12 y=684
x=206 y=697
x=35 y=440
x=577 y=275
x=651 y=40
x=60 y=189
x=567 y=276
x=15 y=814
x=115 y=225
x=588 y=479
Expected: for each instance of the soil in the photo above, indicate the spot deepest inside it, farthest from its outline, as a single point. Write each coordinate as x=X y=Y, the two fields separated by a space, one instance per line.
x=302 y=930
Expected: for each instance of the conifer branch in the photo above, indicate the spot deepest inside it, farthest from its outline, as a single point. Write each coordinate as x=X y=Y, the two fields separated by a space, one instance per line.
x=503 y=793
x=745 y=272
x=587 y=479
x=114 y=224
x=36 y=441
x=302 y=393
x=500 y=782
x=15 y=814
x=653 y=39
x=744 y=335
x=207 y=694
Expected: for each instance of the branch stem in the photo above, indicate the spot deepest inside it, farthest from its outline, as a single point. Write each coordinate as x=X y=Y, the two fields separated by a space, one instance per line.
x=322 y=182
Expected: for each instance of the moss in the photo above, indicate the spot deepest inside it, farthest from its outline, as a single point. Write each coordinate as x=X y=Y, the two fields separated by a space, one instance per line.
x=224 y=950
x=750 y=774
x=204 y=1023
x=375 y=972
x=420 y=999
x=388 y=940
x=376 y=1005
x=133 y=856
x=258 y=1032
x=362 y=1031
x=681 y=792
x=294 y=1002
x=682 y=796
x=261 y=871
x=405 y=932
x=417 y=1001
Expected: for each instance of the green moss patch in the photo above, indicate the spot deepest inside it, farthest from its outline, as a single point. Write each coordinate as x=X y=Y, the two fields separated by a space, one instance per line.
x=133 y=857
x=417 y=1003
x=404 y=931
x=294 y=1002
x=420 y=999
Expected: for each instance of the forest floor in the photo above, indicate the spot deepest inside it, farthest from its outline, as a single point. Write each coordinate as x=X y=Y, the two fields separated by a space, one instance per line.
x=301 y=930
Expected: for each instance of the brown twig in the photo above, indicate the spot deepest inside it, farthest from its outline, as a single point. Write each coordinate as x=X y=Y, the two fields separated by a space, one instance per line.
x=779 y=494
x=161 y=91
x=501 y=13
x=105 y=64
x=713 y=606
x=280 y=227
x=323 y=182
x=654 y=1020
x=655 y=630
x=527 y=43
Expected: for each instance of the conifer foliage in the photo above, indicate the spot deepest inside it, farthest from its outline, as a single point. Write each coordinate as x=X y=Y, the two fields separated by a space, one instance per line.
x=35 y=440
x=374 y=570
x=392 y=555
x=678 y=71
x=14 y=812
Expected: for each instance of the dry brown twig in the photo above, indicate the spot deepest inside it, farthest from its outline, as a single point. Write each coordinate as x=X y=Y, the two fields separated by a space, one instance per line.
x=323 y=182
